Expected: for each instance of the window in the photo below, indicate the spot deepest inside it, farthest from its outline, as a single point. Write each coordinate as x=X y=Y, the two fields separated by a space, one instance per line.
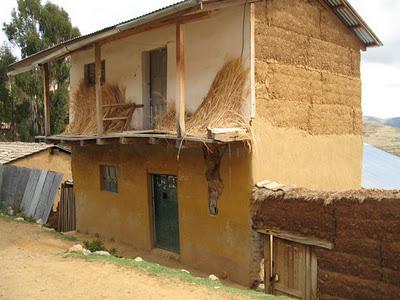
x=90 y=74
x=109 y=179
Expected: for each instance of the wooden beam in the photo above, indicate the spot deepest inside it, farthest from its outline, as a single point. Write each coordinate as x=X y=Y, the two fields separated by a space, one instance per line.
x=297 y=238
x=180 y=71
x=156 y=25
x=46 y=96
x=99 y=101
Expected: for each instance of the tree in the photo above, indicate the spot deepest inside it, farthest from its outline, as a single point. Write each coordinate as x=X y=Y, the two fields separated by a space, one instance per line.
x=35 y=27
x=6 y=99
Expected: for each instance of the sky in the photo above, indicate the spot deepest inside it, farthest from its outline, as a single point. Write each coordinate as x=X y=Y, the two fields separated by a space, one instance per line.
x=380 y=70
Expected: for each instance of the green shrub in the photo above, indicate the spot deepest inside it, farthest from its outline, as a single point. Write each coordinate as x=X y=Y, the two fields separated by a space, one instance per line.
x=95 y=245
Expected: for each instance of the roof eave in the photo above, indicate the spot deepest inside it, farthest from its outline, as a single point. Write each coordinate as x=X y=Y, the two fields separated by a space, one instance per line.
x=66 y=47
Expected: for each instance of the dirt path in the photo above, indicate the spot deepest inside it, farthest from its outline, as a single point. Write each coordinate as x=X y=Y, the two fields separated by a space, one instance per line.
x=32 y=267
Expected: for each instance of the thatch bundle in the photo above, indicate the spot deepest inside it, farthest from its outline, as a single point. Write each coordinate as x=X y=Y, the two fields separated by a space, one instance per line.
x=222 y=106
x=84 y=107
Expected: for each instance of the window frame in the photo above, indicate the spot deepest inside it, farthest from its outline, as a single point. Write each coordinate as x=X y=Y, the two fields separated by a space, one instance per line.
x=89 y=73
x=107 y=183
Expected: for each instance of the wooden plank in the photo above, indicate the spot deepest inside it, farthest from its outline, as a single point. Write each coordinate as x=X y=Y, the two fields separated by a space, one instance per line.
x=99 y=101
x=227 y=134
x=314 y=275
x=252 y=63
x=268 y=270
x=115 y=118
x=298 y=239
x=46 y=96
x=170 y=20
x=36 y=195
x=180 y=70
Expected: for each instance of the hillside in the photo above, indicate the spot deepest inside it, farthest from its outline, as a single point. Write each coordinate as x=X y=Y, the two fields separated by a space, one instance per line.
x=394 y=122
x=382 y=136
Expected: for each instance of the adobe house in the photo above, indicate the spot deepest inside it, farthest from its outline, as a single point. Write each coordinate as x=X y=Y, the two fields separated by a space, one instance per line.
x=175 y=115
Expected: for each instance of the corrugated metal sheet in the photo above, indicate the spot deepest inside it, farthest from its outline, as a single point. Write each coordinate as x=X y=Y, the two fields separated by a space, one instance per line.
x=341 y=8
x=381 y=170
x=352 y=19
x=30 y=191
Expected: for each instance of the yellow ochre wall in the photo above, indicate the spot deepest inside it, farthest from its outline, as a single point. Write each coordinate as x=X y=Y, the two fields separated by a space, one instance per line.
x=308 y=129
x=214 y=244
x=57 y=162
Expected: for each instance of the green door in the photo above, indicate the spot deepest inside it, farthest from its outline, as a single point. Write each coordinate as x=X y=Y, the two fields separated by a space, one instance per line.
x=165 y=212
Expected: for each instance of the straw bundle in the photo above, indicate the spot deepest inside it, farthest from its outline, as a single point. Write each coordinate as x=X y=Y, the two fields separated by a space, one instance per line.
x=222 y=106
x=84 y=107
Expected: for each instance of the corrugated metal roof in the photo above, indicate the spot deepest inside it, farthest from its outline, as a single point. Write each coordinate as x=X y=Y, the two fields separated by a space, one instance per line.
x=177 y=6
x=342 y=9
x=381 y=170
x=350 y=17
x=15 y=150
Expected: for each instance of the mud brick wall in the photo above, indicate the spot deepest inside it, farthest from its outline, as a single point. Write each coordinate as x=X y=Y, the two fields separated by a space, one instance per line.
x=307 y=68
x=364 y=227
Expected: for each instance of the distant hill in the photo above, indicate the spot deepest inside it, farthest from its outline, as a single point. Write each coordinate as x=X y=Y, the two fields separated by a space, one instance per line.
x=394 y=122
x=379 y=133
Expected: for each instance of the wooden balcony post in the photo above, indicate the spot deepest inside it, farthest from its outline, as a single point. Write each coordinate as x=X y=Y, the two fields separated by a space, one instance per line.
x=180 y=71
x=46 y=96
x=99 y=101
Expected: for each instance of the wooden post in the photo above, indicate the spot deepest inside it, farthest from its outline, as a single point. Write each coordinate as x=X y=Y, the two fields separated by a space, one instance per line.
x=99 y=101
x=180 y=71
x=46 y=96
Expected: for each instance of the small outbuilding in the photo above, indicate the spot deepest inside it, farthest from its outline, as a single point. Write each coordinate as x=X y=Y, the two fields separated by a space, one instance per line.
x=37 y=156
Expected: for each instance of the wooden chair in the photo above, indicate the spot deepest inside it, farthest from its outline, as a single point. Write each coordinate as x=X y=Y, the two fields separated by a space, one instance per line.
x=117 y=117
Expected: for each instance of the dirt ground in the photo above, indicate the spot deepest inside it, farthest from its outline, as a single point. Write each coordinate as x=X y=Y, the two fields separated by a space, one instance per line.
x=32 y=266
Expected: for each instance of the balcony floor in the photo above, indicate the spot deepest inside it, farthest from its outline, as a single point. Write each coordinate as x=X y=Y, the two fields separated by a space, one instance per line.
x=137 y=137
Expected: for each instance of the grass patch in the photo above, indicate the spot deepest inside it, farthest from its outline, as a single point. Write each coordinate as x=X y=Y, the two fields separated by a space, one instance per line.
x=154 y=269
x=70 y=238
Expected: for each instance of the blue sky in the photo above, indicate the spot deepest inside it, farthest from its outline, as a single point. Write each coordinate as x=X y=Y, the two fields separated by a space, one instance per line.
x=380 y=66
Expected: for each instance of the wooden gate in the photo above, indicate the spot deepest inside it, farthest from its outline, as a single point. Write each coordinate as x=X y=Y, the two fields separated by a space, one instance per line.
x=66 y=208
x=290 y=269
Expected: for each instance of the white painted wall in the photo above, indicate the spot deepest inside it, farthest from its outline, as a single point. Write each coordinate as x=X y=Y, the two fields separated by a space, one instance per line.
x=209 y=43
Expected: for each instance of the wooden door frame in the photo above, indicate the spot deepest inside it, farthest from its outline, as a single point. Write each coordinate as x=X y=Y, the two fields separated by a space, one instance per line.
x=146 y=83
x=152 y=235
x=311 y=267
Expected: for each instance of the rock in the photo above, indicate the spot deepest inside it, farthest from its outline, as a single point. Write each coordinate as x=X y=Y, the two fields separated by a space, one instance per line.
x=102 y=253
x=40 y=222
x=213 y=277
x=261 y=286
x=77 y=249
x=86 y=252
x=10 y=211
x=138 y=259
x=19 y=219
x=185 y=271
x=49 y=229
